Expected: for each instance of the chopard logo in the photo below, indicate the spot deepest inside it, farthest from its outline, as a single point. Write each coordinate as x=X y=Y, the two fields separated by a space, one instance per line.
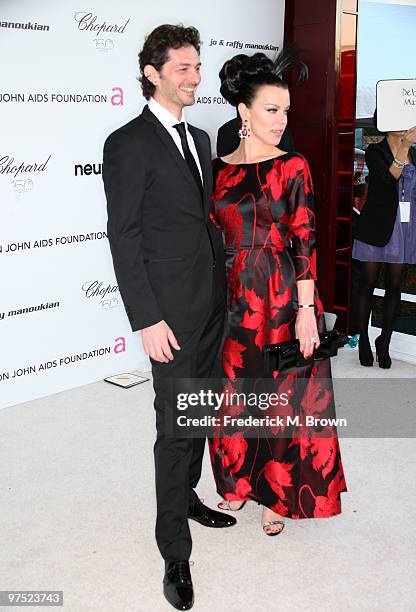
x=8 y=166
x=95 y=288
x=106 y=295
x=87 y=22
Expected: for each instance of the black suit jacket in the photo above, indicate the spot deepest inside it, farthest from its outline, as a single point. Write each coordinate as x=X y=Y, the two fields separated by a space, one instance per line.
x=376 y=222
x=161 y=238
x=228 y=139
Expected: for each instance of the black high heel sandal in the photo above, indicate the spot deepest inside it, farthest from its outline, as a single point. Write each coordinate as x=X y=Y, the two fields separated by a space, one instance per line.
x=382 y=355
x=365 y=354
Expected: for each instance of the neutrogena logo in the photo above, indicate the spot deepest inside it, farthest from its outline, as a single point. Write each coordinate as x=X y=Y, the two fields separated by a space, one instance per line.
x=18 y=25
x=88 y=169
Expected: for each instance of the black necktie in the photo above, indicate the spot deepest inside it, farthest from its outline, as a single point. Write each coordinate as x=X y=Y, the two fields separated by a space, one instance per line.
x=189 y=158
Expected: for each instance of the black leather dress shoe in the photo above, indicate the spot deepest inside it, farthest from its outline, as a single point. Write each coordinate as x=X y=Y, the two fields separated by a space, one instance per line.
x=209 y=518
x=177 y=585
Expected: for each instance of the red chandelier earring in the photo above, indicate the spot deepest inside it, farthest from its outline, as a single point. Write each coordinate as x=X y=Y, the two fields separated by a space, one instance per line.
x=244 y=131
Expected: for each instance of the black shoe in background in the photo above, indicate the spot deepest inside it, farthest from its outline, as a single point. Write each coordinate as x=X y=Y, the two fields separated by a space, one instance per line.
x=365 y=354
x=209 y=518
x=382 y=353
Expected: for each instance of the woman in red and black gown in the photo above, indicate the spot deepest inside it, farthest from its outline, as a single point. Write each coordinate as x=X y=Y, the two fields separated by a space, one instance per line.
x=263 y=202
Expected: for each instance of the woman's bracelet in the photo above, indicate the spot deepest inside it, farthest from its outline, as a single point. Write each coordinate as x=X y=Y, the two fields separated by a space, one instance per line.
x=400 y=165
x=306 y=305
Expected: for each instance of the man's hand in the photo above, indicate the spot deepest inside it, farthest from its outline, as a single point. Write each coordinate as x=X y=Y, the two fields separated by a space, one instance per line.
x=157 y=340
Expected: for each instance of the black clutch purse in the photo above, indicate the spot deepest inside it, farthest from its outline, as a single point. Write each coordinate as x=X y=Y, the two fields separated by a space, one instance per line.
x=287 y=355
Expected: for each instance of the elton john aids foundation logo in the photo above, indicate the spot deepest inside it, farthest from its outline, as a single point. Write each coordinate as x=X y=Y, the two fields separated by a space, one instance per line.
x=115 y=97
x=119 y=345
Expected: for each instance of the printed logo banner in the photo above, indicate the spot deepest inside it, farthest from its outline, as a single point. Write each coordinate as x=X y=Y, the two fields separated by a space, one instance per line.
x=70 y=79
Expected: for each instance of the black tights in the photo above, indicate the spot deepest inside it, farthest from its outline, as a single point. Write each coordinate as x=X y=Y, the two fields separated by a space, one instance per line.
x=392 y=281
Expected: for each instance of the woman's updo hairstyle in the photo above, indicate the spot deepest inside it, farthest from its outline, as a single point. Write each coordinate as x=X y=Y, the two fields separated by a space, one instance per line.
x=243 y=75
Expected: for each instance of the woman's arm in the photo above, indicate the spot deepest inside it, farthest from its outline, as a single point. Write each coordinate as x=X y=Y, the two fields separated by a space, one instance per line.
x=379 y=167
x=306 y=327
x=402 y=153
x=301 y=206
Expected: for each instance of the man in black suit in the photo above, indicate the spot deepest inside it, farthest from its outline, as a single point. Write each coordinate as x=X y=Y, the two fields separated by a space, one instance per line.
x=228 y=139
x=169 y=263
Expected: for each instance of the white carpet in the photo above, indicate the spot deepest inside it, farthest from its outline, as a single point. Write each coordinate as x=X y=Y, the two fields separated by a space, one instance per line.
x=77 y=514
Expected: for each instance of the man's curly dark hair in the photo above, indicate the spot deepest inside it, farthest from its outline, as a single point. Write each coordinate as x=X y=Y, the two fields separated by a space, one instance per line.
x=156 y=48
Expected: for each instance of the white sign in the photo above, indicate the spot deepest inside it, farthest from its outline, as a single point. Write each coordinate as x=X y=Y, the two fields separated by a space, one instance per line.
x=396 y=105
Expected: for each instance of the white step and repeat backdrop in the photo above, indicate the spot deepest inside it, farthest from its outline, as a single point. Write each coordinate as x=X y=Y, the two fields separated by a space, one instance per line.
x=68 y=77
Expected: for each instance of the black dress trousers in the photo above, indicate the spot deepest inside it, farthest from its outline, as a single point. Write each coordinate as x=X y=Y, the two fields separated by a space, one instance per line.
x=178 y=461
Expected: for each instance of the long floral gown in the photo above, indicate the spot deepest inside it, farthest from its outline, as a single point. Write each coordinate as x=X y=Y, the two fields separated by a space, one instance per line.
x=266 y=213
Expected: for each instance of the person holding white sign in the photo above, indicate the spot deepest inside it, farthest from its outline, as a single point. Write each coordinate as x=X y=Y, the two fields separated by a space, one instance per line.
x=386 y=233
